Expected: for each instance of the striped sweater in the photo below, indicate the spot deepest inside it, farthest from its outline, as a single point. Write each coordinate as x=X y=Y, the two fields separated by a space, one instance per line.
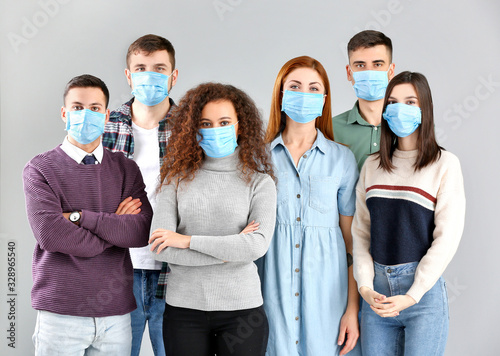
x=407 y=216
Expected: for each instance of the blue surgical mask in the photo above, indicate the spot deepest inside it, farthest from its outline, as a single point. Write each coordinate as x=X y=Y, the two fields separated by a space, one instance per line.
x=85 y=126
x=370 y=85
x=302 y=107
x=403 y=119
x=150 y=88
x=218 y=142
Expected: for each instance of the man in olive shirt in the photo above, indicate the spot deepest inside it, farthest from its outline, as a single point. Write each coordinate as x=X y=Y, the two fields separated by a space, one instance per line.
x=369 y=70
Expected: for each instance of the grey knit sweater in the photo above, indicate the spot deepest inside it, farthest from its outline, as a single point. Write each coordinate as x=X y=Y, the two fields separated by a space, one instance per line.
x=214 y=208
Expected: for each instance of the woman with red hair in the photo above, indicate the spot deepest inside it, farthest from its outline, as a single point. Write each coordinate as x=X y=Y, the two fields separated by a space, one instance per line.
x=214 y=216
x=310 y=295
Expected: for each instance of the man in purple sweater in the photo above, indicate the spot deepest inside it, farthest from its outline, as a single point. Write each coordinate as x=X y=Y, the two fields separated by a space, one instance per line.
x=86 y=207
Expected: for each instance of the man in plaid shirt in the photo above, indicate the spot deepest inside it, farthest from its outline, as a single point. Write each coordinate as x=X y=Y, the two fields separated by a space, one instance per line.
x=140 y=129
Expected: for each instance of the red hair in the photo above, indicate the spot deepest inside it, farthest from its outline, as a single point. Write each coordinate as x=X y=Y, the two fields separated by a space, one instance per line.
x=277 y=119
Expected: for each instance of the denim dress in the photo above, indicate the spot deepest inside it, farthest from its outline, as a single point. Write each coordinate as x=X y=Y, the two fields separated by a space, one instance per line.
x=304 y=273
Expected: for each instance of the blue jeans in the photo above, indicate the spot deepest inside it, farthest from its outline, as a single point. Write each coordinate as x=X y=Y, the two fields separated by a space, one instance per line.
x=421 y=329
x=68 y=335
x=149 y=309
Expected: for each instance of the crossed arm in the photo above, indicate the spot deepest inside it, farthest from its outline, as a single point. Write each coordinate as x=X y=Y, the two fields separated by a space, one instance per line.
x=127 y=227
x=248 y=245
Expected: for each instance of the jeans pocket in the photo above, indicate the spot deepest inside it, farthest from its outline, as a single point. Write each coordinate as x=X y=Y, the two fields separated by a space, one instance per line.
x=323 y=193
x=446 y=308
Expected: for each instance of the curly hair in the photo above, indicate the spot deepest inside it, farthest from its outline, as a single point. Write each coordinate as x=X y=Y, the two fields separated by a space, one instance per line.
x=184 y=156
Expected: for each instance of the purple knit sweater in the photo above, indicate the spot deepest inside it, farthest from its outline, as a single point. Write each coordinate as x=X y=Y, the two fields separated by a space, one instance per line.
x=84 y=270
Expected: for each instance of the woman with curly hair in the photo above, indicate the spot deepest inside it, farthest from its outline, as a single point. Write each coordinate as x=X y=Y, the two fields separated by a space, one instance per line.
x=214 y=216
x=310 y=295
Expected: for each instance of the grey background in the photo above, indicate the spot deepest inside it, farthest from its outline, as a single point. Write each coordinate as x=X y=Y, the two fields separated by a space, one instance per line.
x=455 y=44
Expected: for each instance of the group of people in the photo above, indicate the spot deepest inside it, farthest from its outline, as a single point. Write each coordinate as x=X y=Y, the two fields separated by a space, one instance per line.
x=229 y=238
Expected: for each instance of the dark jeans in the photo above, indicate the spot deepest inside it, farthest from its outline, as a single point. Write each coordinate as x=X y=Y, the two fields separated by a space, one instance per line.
x=193 y=332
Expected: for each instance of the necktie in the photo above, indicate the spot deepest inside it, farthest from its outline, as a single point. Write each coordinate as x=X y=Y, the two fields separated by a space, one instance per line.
x=89 y=159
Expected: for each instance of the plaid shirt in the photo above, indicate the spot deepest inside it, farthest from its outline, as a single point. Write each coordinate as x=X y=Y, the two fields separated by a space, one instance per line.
x=118 y=137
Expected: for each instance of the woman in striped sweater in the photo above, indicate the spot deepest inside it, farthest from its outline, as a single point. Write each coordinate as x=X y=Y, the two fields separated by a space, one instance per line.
x=409 y=219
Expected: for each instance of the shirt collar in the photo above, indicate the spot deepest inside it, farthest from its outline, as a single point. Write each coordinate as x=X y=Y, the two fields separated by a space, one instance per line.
x=355 y=117
x=77 y=154
x=321 y=142
x=276 y=141
x=125 y=111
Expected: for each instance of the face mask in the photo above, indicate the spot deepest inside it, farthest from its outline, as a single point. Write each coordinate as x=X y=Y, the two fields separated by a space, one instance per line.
x=302 y=107
x=150 y=88
x=219 y=141
x=85 y=126
x=370 y=85
x=403 y=119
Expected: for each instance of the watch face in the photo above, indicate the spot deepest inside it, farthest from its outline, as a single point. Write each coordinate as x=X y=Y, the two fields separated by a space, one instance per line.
x=75 y=216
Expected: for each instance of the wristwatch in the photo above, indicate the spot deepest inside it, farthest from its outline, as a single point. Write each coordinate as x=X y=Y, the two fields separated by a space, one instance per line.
x=75 y=217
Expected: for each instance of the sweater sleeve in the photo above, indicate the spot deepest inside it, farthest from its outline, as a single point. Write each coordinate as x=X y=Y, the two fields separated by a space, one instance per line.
x=53 y=232
x=449 y=217
x=165 y=217
x=363 y=261
x=245 y=247
x=128 y=230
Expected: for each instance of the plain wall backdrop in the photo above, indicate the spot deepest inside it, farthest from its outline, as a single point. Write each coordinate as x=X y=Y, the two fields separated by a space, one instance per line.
x=456 y=45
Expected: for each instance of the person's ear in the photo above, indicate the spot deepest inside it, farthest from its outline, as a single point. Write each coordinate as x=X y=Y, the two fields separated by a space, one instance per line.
x=349 y=74
x=390 y=72
x=63 y=114
x=107 y=117
x=174 y=76
x=129 y=77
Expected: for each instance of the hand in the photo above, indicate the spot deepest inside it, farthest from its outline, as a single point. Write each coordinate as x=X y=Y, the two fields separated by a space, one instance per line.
x=374 y=299
x=162 y=239
x=394 y=305
x=251 y=227
x=348 y=327
x=66 y=216
x=129 y=206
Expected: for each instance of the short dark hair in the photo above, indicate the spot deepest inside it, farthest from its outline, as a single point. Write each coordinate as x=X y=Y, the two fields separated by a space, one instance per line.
x=149 y=44
x=87 y=81
x=368 y=39
x=428 y=149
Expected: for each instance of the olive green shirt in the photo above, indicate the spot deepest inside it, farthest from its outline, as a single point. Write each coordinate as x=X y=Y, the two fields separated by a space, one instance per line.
x=352 y=130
